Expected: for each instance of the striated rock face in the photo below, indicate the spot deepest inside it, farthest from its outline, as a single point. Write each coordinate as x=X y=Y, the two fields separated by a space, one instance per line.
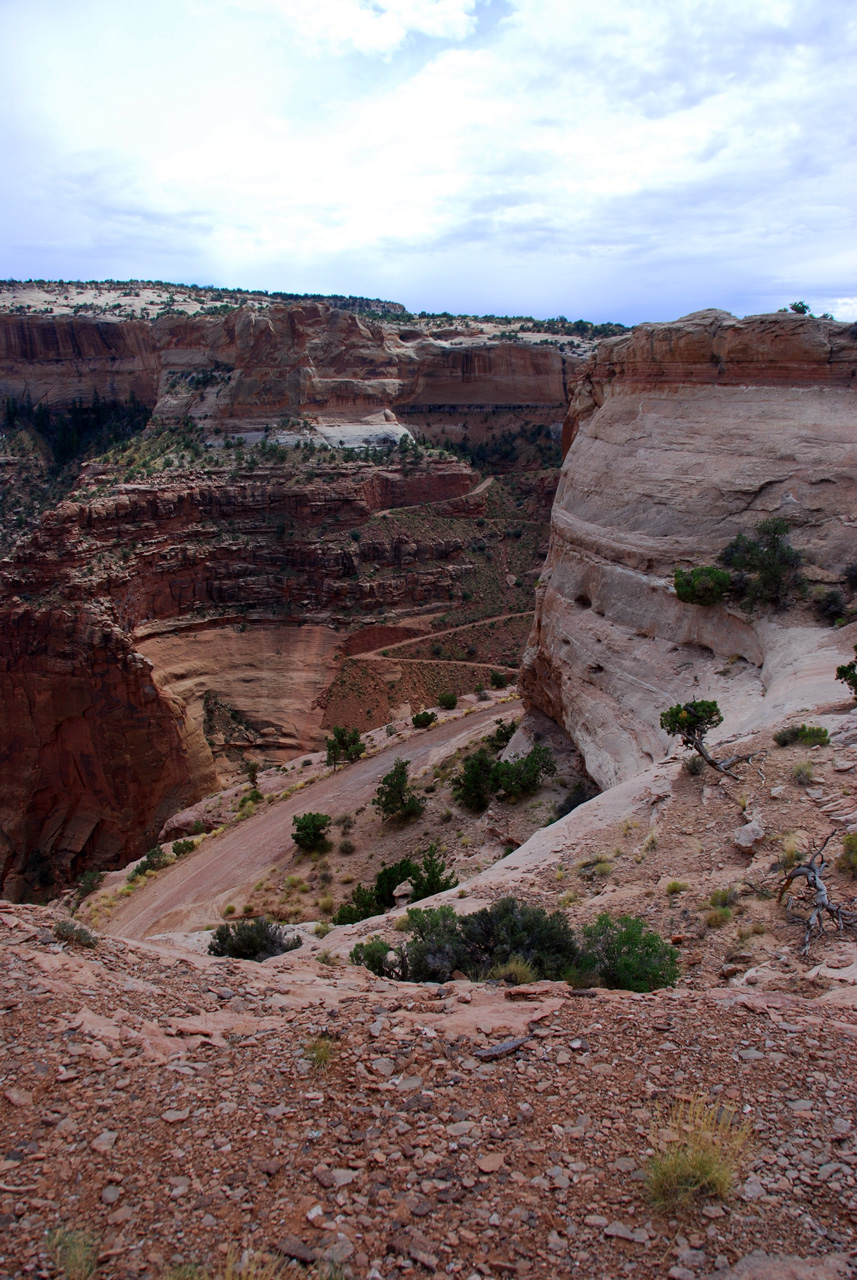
x=254 y=366
x=124 y=611
x=93 y=756
x=679 y=436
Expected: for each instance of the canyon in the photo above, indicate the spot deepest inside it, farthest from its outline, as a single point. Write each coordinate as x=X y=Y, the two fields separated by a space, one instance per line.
x=333 y=515
x=205 y=573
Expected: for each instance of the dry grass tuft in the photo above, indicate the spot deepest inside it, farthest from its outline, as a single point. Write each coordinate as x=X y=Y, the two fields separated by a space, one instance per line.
x=515 y=971
x=320 y=1052
x=74 y=1253
x=696 y=1154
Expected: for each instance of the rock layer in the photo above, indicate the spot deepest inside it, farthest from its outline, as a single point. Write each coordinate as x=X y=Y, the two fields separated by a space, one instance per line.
x=93 y=756
x=679 y=436
x=251 y=366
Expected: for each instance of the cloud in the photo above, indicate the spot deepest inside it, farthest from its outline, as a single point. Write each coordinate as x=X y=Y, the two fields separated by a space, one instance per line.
x=367 y=26
x=534 y=155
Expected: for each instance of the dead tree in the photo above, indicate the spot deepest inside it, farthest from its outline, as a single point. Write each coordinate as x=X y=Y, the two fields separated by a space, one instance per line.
x=815 y=896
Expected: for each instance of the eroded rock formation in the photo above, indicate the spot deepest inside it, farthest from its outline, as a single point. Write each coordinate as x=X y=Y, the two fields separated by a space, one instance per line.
x=250 y=366
x=680 y=436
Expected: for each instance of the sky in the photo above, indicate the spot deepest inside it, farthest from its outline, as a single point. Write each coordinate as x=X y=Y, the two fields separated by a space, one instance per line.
x=622 y=160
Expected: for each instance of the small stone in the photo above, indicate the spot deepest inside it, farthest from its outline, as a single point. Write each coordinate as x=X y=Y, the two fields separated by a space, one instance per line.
x=491 y=1163
x=383 y=1067
x=111 y=1193
x=752 y=1189
x=595 y=1220
x=713 y=1211
x=123 y=1214
x=19 y=1097
x=105 y=1141
x=293 y=1247
x=176 y=1117
x=748 y=835
x=750 y=1055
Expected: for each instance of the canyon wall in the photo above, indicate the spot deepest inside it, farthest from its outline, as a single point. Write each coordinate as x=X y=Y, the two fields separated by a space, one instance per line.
x=255 y=366
x=678 y=437
x=93 y=757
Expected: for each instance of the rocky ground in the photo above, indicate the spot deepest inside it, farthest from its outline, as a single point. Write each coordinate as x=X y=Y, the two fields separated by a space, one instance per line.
x=174 y=1105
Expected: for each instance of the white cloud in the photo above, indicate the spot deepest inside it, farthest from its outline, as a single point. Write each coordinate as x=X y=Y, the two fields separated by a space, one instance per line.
x=636 y=157
x=368 y=26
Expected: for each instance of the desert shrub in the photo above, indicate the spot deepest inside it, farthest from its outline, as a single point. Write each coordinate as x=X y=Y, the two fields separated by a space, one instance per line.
x=362 y=906
x=373 y=954
x=76 y=934
x=257 y=939
x=308 y=830
x=502 y=735
x=766 y=568
x=153 y=860
x=699 y=1157
x=389 y=878
x=253 y=797
x=498 y=680
x=628 y=956
x=345 y=744
x=347 y=846
x=431 y=876
x=471 y=787
x=811 y=734
x=850 y=576
x=447 y=701
x=718 y=916
x=705 y=585
x=830 y=606
x=251 y=768
x=723 y=897
x=676 y=886
x=847 y=673
x=423 y=719
x=395 y=797
x=182 y=847
x=803 y=773
x=847 y=860
x=88 y=883
x=511 y=928
x=442 y=942
x=516 y=778
x=694 y=765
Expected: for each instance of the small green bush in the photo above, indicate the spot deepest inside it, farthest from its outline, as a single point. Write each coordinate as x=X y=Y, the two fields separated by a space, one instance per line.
x=471 y=787
x=627 y=956
x=88 y=883
x=345 y=744
x=309 y=830
x=705 y=585
x=694 y=765
x=515 y=778
x=183 y=847
x=423 y=719
x=847 y=860
x=447 y=701
x=153 y=860
x=718 y=917
x=502 y=735
x=766 y=569
x=847 y=673
x=498 y=680
x=395 y=797
x=830 y=606
x=803 y=773
x=431 y=876
x=810 y=734
x=347 y=846
x=75 y=934
x=257 y=939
